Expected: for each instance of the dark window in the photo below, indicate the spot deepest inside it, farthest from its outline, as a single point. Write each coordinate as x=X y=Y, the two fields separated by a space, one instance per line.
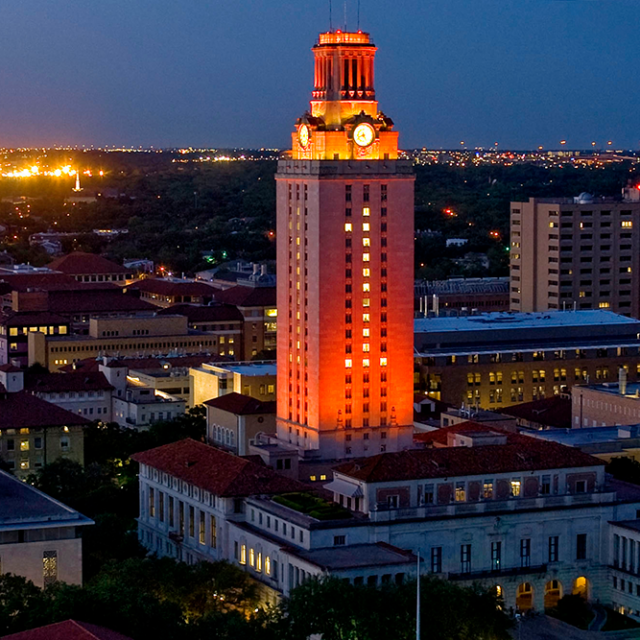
x=436 y=560
x=553 y=549
x=581 y=546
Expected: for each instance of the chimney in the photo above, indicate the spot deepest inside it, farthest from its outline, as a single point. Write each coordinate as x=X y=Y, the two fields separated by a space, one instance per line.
x=256 y=269
x=622 y=381
x=263 y=270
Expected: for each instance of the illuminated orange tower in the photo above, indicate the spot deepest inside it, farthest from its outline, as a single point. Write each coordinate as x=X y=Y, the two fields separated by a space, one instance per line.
x=345 y=267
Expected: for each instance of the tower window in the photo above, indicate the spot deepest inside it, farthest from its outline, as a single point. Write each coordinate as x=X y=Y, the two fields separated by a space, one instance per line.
x=365 y=193
x=347 y=193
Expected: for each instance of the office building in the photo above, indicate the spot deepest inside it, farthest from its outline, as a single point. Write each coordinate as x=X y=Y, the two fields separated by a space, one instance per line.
x=606 y=404
x=495 y=360
x=581 y=253
x=345 y=266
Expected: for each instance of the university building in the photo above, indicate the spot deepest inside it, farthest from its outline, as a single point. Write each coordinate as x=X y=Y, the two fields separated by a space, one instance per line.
x=581 y=253
x=345 y=266
x=496 y=360
x=527 y=517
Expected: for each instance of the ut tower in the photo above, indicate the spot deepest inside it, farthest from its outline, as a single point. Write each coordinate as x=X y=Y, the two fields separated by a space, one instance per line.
x=345 y=267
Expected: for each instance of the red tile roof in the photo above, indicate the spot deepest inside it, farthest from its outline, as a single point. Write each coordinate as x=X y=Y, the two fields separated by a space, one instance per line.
x=63 y=382
x=9 y=368
x=21 y=410
x=50 y=282
x=96 y=301
x=550 y=412
x=80 y=263
x=216 y=471
x=212 y=313
x=248 y=296
x=31 y=319
x=241 y=405
x=172 y=288
x=68 y=630
x=440 y=437
x=514 y=457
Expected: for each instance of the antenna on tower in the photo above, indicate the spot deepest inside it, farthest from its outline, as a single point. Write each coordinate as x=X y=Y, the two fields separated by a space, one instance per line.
x=358 y=15
x=330 y=16
x=345 y=15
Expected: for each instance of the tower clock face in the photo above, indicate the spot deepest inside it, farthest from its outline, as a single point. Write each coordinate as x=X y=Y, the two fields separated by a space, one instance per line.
x=303 y=136
x=364 y=135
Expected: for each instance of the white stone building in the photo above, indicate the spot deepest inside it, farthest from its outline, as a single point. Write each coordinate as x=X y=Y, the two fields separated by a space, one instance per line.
x=528 y=517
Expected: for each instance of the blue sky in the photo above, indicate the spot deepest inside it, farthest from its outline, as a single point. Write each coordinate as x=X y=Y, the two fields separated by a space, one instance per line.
x=237 y=73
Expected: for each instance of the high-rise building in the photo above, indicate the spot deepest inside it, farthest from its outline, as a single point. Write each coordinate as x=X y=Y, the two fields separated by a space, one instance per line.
x=345 y=266
x=581 y=253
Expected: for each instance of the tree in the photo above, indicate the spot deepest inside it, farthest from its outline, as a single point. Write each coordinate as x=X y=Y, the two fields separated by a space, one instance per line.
x=338 y=610
x=624 y=468
x=22 y=604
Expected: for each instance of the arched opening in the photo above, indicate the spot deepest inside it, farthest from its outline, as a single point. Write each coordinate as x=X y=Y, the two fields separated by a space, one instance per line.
x=499 y=593
x=524 y=597
x=581 y=587
x=552 y=593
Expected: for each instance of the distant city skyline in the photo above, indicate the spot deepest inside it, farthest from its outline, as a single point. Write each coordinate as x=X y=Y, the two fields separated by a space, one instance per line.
x=521 y=73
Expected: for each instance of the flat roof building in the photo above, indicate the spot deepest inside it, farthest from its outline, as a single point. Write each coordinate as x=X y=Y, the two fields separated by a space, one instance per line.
x=496 y=360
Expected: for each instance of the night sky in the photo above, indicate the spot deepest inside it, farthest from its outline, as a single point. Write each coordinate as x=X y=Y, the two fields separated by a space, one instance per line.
x=237 y=73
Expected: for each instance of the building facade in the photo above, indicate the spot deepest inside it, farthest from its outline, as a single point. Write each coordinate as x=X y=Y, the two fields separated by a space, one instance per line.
x=527 y=517
x=496 y=360
x=582 y=252
x=40 y=538
x=345 y=265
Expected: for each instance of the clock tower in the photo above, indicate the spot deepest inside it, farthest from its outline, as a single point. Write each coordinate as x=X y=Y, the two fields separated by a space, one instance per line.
x=345 y=211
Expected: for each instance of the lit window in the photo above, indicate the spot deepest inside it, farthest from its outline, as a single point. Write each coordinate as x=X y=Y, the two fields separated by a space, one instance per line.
x=24 y=465
x=348 y=363
x=366 y=272
x=366 y=257
x=252 y=557
x=62 y=330
x=13 y=331
x=383 y=362
x=323 y=477
x=366 y=302
x=366 y=286
x=604 y=305
x=267 y=565
x=366 y=333
x=366 y=211
x=365 y=347
x=348 y=226
x=515 y=488
x=366 y=226
x=365 y=363
x=259 y=562
x=366 y=242
x=366 y=317
x=243 y=554
x=626 y=223
x=24 y=445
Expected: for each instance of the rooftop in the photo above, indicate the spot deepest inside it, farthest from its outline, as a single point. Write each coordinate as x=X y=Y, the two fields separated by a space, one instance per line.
x=519 y=454
x=466 y=285
x=248 y=296
x=22 y=505
x=633 y=525
x=68 y=630
x=248 y=368
x=22 y=410
x=210 y=313
x=506 y=320
x=632 y=391
x=239 y=404
x=80 y=263
x=550 y=412
x=94 y=301
x=31 y=319
x=167 y=287
x=63 y=382
x=216 y=471
x=588 y=435
x=356 y=556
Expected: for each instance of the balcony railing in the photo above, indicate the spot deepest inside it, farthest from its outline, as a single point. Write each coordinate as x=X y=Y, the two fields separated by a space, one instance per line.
x=382 y=512
x=489 y=573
